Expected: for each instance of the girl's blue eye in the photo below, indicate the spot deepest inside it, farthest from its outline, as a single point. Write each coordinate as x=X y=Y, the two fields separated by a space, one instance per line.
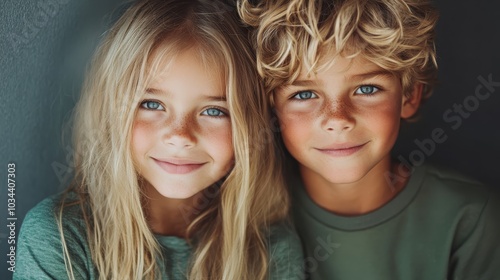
x=305 y=95
x=152 y=105
x=367 y=90
x=213 y=112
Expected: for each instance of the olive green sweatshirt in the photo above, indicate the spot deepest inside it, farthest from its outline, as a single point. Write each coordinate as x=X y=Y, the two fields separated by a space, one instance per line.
x=39 y=252
x=440 y=226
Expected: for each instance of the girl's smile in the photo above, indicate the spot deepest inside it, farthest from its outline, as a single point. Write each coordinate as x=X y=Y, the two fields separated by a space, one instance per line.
x=179 y=166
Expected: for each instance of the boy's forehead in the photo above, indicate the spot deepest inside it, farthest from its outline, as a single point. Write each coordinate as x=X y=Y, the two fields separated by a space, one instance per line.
x=350 y=67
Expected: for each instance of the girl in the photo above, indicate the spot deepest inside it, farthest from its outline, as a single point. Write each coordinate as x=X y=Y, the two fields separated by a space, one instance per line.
x=176 y=176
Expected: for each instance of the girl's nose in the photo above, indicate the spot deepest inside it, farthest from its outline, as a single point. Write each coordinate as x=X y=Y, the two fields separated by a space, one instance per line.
x=180 y=133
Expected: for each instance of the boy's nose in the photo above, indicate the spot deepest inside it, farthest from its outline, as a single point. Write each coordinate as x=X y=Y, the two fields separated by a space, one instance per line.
x=180 y=133
x=338 y=116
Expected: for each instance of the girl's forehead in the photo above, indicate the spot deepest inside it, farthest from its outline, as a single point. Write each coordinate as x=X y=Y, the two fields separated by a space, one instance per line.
x=189 y=64
x=166 y=55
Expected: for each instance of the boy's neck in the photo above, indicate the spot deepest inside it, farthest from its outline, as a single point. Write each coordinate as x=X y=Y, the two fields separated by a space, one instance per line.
x=357 y=198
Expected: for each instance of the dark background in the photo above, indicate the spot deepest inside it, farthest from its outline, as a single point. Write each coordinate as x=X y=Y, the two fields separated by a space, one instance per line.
x=46 y=44
x=468 y=47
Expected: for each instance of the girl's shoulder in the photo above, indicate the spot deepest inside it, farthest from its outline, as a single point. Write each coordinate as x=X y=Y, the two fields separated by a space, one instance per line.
x=285 y=252
x=282 y=233
x=40 y=244
x=45 y=213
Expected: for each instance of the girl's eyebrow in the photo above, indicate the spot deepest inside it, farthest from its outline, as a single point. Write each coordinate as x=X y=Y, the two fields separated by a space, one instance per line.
x=154 y=91
x=208 y=97
x=221 y=98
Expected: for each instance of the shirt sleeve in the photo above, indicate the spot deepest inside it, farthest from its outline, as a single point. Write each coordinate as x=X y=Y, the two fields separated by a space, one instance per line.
x=285 y=254
x=477 y=257
x=39 y=251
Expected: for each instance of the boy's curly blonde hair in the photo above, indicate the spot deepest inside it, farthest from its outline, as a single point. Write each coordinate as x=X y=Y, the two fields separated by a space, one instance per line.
x=294 y=36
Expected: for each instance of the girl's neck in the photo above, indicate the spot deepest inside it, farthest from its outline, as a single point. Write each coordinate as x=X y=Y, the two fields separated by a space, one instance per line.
x=168 y=216
x=371 y=192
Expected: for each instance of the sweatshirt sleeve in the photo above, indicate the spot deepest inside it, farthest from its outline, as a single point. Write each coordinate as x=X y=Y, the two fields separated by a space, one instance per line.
x=285 y=254
x=477 y=257
x=39 y=251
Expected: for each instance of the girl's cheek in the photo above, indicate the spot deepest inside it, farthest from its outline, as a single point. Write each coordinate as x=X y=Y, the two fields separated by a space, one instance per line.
x=141 y=132
x=218 y=133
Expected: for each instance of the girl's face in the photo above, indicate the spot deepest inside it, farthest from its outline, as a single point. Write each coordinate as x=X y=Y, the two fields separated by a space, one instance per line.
x=181 y=136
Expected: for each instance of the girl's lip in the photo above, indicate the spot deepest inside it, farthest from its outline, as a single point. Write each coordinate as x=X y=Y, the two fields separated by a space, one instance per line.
x=178 y=161
x=178 y=166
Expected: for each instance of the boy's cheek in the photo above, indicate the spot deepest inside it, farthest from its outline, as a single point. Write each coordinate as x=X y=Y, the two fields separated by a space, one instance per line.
x=294 y=128
x=297 y=113
x=296 y=121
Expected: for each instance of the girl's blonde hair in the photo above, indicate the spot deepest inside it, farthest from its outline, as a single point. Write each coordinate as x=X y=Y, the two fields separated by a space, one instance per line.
x=229 y=233
x=294 y=36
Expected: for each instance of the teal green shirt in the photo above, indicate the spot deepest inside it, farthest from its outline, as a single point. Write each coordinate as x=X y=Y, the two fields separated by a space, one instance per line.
x=440 y=226
x=39 y=252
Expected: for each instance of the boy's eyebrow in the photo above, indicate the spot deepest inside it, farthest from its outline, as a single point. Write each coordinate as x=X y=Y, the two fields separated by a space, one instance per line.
x=383 y=73
x=221 y=98
x=301 y=83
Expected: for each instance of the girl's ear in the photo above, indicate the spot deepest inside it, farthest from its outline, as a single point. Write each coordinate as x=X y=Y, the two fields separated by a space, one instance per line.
x=411 y=103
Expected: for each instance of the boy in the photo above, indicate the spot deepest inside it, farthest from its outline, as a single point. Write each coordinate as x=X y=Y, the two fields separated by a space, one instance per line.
x=341 y=75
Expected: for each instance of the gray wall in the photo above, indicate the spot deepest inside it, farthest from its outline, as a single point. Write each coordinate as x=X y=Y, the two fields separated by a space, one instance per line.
x=468 y=46
x=45 y=45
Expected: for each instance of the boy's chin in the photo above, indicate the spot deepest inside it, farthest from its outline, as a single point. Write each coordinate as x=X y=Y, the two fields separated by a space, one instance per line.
x=343 y=179
x=338 y=177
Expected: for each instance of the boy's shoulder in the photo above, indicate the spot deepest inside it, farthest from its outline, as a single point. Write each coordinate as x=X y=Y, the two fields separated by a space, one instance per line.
x=468 y=211
x=449 y=185
x=456 y=199
x=448 y=175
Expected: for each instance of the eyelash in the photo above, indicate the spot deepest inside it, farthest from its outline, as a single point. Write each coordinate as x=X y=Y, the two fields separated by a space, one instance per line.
x=223 y=111
x=314 y=95
x=144 y=106
x=377 y=89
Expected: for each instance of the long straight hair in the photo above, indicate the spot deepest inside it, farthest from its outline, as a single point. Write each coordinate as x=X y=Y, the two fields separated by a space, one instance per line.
x=229 y=234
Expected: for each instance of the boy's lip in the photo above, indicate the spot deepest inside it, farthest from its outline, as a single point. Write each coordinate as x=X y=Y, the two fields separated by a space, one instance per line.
x=178 y=165
x=342 y=149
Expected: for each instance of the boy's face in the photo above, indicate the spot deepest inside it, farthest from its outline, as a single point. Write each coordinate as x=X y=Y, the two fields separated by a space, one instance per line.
x=341 y=123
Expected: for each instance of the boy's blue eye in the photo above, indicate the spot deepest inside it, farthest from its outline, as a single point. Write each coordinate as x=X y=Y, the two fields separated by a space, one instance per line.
x=151 y=105
x=367 y=90
x=213 y=112
x=305 y=95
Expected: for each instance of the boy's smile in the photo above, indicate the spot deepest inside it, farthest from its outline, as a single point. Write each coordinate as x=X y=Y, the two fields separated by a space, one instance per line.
x=340 y=124
x=340 y=150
